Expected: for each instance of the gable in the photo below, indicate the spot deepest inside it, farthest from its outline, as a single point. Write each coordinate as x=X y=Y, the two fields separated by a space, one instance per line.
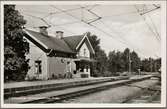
x=85 y=40
x=84 y=51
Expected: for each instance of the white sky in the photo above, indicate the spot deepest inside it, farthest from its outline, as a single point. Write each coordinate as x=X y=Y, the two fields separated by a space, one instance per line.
x=119 y=24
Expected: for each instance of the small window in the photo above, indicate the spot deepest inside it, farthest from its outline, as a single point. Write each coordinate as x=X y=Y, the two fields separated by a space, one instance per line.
x=84 y=52
x=62 y=60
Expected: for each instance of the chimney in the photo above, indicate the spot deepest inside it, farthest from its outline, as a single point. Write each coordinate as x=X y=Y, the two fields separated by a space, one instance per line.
x=43 y=30
x=59 y=34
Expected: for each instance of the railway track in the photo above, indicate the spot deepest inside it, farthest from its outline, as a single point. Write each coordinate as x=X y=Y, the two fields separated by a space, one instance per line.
x=58 y=96
x=149 y=95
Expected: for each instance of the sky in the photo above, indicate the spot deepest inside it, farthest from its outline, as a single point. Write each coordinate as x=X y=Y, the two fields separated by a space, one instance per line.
x=118 y=26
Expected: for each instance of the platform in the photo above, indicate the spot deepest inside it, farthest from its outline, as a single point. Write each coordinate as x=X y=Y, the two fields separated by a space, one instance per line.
x=27 y=87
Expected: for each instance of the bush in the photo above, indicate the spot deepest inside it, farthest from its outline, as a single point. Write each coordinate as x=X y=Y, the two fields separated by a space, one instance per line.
x=107 y=74
x=31 y=78
x=60 y=76
x=84 y=75
x=54 y=76
x=96 y=73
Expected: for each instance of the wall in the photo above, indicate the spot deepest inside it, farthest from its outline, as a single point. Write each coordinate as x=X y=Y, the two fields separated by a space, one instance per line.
x=58 y=66
x=35 y=53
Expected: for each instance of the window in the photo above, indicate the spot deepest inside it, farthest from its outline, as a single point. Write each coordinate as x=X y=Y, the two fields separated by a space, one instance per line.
x=84 y=52
x=38 y=66
x=87 y=67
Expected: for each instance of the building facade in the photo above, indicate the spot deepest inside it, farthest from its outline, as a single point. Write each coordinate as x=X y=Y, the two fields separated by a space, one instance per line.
x=58 y=56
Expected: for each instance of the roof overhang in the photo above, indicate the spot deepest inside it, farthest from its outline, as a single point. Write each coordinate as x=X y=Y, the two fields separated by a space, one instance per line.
x=34 y=38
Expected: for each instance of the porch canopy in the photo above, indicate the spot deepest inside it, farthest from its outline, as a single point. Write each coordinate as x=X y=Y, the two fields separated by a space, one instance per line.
x=84 y=60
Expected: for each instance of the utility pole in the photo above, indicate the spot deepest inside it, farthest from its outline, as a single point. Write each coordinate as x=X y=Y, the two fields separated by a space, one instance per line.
x=151 y=65
x=129 y=62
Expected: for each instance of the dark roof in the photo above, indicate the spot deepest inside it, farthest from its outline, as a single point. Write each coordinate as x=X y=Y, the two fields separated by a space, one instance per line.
x=66 y=44
x=73 y=41
x=52 y=42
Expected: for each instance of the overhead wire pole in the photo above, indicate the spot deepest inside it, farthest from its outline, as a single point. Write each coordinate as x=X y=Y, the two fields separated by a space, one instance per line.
x=129 y=62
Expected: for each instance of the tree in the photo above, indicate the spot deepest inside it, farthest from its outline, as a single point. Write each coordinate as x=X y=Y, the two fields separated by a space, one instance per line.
x=157 y=64
x=135 y=61
x=125 y=58
x=15 y=46
x=116 y=62
x=151 y=65
x=112 y=61
x=99 y=67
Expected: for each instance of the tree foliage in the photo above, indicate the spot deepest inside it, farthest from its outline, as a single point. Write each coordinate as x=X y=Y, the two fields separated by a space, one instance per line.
x=121 y=61
x=15 y=46
x=151 y=65
x=100 y=66
x=118 y=61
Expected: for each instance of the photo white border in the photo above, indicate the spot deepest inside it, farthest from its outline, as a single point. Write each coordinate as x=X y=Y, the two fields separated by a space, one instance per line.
x=72 y=105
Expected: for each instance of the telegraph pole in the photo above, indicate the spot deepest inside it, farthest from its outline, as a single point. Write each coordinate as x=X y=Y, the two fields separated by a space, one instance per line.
x=129 y=62
x=151 y=65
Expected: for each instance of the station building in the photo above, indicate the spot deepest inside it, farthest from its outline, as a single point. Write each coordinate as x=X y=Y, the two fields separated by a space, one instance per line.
x=56 y=56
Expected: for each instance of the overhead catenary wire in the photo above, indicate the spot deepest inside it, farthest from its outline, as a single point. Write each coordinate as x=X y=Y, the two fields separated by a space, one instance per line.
x=53 y=25
x=120 y=14
x=150 y=10
x=149 y=27
x=93 y=6
x=68 y=10
x=108 y=34
x=97 y=16
x=48 y=24
x=42 y=19
x=87 y=22
x=74 y=22
x=156 y=6
x=158 y=35
x=123 y=39
x=84 y=22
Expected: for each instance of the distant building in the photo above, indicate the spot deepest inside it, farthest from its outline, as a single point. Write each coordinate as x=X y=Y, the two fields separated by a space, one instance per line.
x=57 y=56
